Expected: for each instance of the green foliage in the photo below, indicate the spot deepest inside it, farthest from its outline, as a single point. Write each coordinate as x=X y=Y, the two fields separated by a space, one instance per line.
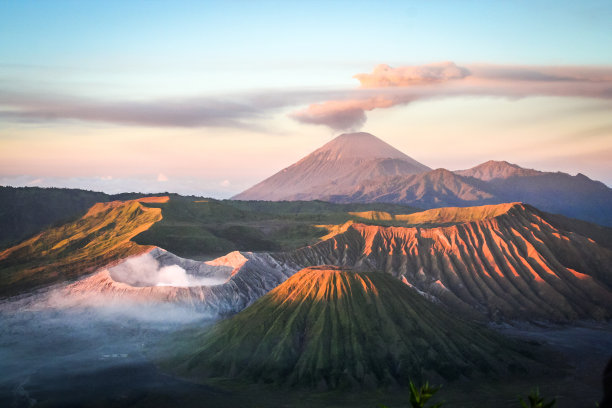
x=537 y=401
x=420 y=396
x=196 y=227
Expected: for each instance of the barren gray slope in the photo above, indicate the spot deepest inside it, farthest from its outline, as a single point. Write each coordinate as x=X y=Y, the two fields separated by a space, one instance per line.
x=351 y=158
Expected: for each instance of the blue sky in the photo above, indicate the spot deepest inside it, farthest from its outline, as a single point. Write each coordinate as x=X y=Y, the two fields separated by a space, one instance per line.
x=119 y=51
x=310 y=42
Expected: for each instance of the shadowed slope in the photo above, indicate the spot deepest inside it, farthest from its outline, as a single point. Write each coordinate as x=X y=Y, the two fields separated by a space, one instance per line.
x=436 y=188
x=509 y=261
x=98 y=238
x=331 y=328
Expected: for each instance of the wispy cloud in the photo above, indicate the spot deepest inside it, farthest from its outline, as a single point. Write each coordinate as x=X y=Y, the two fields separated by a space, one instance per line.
x=385 y=76
x=187 y=112
x=386 y=87
x=338 y=109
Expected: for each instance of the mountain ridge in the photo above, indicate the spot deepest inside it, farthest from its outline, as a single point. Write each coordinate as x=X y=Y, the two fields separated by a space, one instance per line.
x=395 y=180
x=510 y=264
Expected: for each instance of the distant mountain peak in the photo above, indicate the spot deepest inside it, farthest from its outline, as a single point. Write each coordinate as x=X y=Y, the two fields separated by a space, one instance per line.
x=494 y=169
x=359 y=146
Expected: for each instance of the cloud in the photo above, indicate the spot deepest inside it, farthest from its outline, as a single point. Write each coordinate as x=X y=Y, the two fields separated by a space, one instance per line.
x=335 y=108
x=227 y=111
x=225 y=183
x=386 y=87
x=162 y=177
x=340 y=115
x=385 y=76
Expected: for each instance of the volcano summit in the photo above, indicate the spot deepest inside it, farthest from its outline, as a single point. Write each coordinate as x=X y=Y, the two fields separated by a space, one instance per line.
x=349 y=159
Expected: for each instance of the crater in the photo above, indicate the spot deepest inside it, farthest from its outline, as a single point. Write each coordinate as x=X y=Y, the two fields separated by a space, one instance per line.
x=161 y=268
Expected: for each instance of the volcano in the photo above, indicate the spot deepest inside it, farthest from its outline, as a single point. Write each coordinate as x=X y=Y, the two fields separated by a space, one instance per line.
x=328 y=327
x=360 y=168
x=347 y=160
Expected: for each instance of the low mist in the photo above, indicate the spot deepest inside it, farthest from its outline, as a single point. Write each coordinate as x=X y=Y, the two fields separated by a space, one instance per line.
x=57 y=352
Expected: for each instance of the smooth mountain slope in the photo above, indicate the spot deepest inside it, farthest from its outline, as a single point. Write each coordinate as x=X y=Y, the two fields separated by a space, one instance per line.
x=515 y=262
x=329 y=328
x=353 y=157
x=98 y=238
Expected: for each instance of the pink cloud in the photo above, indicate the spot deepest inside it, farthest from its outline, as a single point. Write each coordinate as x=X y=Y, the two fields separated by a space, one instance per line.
x=386 y=87
x=386 y=76
x=340 y=115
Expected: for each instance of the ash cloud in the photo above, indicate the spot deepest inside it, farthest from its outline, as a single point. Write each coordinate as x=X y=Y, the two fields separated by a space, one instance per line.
x=341 y=115
x=145 y=270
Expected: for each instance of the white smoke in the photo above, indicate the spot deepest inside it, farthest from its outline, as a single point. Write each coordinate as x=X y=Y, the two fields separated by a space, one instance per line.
x=146 y=271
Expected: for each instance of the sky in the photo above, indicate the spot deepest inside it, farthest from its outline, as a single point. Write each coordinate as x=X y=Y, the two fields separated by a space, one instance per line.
x=209 y=98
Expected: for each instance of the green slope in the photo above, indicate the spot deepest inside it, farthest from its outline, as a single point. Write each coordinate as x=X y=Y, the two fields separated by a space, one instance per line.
x=328 y=328
x=196 y=227
x=101 y=236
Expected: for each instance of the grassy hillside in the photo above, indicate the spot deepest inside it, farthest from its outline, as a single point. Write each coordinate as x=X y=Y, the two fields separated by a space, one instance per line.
x=25 y=211
x=193 y=227
x=328 y=328
x=101 y=236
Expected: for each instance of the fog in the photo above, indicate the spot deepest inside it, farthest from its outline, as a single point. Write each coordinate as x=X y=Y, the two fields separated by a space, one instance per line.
x=58 y=353
x=145 y=270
